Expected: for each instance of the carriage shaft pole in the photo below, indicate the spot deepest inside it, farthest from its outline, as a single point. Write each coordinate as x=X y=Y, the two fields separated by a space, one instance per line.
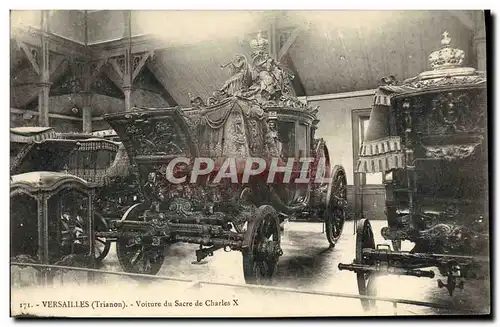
x=234 y=244
x=415 y=258
x=385 y=270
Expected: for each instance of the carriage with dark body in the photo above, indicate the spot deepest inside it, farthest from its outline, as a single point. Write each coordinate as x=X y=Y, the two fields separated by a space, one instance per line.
x=428 y=135
x=96 y=161
x=181 y=158
x=104 y=163
x=52 y=220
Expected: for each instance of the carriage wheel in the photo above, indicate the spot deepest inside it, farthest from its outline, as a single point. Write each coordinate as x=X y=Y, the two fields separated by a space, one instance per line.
x=366 y=280
x=335 y=211
x=262 y=246
x=138 y=258
x=101 y=244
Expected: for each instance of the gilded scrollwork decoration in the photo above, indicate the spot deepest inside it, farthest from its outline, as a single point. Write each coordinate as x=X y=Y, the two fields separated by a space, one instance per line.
x=258 y=78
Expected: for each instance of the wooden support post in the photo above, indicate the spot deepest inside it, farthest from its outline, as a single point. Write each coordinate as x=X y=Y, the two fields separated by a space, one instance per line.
x=480 y=41
x=44 y=74
x=273 y=40
x=43 y=104
x=127 y=91
x=87 y=98
x=128 y=69
x=87 y=114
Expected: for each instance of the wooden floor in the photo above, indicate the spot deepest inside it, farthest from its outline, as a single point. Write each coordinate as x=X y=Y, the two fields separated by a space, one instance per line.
x=307 y=264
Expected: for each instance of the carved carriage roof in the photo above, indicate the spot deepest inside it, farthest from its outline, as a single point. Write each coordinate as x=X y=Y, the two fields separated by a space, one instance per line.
x=31 y=134
x=445 y=106
x=47 y=181
x=45 y=155
x=89 y=142
x=447 y=73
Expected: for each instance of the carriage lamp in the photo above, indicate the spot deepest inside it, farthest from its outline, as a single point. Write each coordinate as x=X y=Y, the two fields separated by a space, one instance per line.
x=74 y=110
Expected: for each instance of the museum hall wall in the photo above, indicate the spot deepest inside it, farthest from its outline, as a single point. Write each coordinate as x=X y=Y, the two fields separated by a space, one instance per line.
x=335 y=127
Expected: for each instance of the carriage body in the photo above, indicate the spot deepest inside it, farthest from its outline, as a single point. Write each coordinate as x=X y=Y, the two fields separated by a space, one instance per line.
x=38 y=149
x=51 y=220
x=93 y=157
x=228 y=212
x=428 y=136
x=53 y=159
x=103 y=162
x=190 y=165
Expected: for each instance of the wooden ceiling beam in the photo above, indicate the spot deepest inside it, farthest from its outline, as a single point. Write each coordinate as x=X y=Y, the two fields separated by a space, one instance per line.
x=116 y=68
x=288 y=43
x=36 y=113
x=58 y=66
x=154 y=66
x=297 y=84
x=98 y=68
x=57 y=44
x=112 y=74
x=30 y=57
x=141 y=64
x=141 y=43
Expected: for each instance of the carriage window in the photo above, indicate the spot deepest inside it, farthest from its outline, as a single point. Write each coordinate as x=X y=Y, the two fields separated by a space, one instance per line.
x=302 y=140
x=287 y=138
x=85 y=160
x=375 y=178
x=104 y=159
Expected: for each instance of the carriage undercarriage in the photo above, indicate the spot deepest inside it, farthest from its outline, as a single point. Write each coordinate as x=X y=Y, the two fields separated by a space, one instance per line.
x=375 y=260
x=144 y=232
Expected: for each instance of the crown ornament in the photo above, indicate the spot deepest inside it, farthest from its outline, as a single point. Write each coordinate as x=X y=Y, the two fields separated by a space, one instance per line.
x=446 y=57
x=260 y=44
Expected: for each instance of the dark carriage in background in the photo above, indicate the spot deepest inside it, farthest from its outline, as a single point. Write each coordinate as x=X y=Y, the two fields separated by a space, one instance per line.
x=104 y=163
x=51 y=210
x=428 y=136
x=255 y=114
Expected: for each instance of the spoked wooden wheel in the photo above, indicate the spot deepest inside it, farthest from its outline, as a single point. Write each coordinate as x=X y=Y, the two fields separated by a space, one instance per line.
x=136 y=257
x=335 y=210
x=261 y=246
x=74 y=227
x=366 y=280
x=101 y=244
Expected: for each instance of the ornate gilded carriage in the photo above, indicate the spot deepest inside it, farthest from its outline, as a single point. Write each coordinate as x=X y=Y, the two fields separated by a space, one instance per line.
x=428 y=135
x=255 y=114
